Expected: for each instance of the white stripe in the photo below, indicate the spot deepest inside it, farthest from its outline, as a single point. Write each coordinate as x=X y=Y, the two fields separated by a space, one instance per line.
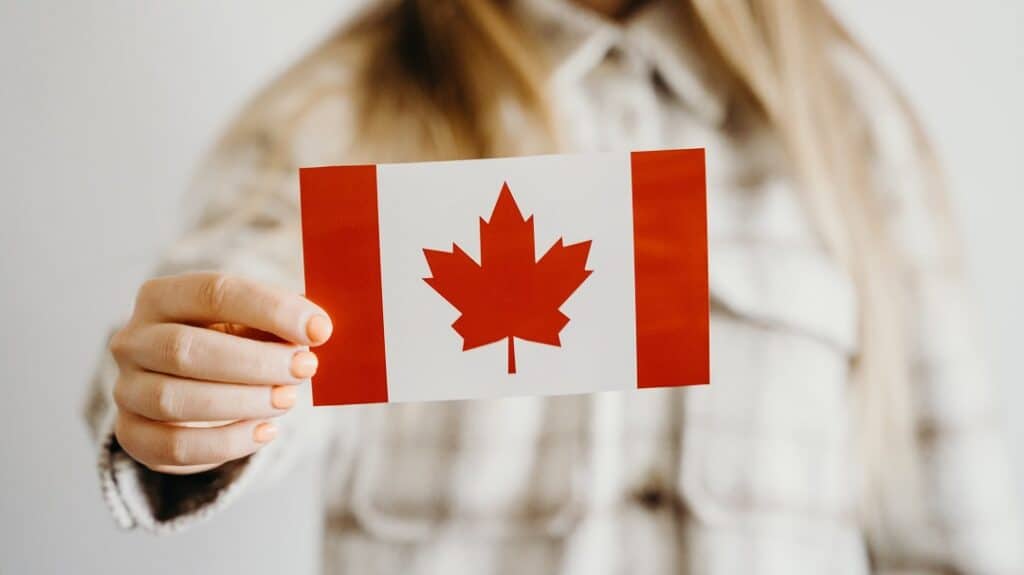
x=432 y=205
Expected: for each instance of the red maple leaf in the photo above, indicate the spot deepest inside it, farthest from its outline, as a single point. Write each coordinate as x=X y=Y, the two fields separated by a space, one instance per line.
x=509 y=294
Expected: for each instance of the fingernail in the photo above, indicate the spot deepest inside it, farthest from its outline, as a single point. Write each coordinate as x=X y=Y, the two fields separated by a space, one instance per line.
x=283 y=396
x=304 y=364
x=319 y=328
x=264 y=432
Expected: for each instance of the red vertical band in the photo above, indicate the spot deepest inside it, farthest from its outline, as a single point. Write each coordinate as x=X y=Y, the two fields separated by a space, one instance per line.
x=341 y=252
x=670 y=252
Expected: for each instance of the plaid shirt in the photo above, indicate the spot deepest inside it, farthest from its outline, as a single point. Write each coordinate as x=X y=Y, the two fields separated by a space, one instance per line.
x=751 y=475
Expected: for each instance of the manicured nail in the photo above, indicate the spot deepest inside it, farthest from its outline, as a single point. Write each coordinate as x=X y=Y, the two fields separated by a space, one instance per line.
x=283 y=396
x=264 y=432
x=319 y=329
x=304 y=364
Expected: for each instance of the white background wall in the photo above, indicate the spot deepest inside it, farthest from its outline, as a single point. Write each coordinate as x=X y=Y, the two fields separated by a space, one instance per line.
x=105 y=107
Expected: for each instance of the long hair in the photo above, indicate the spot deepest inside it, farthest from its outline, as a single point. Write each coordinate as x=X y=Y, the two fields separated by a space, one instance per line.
x=438 y=79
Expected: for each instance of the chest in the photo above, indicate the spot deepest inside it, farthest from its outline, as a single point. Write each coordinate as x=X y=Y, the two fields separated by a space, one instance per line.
x=770 y=432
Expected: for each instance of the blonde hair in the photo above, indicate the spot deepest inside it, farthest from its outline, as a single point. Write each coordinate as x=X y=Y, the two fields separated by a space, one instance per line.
x=434 y=78
x=785 y=53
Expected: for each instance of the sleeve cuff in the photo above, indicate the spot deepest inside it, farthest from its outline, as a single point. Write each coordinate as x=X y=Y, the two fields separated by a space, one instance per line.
x=161 y=503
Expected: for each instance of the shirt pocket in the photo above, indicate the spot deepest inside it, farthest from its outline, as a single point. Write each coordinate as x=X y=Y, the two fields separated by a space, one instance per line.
x=771 y=431
x=792 y=288
x=494 y=468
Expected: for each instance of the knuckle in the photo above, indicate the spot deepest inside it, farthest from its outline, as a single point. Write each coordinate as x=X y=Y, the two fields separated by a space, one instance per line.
x=120 y=432
x=177 y=350
x=177 y=449
x=146 y=291
x=278 y=311
x=121 y=394
x=120 y=344
x=128 y=440
x=168 y=402
x=266 y=366
x=239 y=446
x=214 y=291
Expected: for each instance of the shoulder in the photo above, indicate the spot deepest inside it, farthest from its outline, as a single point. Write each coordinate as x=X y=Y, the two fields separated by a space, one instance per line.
x=306 y=112
x=904 y=169
x=304 y=117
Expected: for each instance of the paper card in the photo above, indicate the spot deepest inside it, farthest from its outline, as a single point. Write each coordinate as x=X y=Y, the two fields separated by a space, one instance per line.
x=542 y=275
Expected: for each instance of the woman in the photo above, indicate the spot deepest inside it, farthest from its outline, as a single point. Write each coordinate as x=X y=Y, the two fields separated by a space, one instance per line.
x=846 y=429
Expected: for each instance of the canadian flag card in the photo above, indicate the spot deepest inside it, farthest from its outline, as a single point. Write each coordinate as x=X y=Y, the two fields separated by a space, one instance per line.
x=536 y=275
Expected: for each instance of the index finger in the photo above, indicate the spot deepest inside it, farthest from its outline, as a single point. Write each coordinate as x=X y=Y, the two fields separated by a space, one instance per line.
x=215 y=298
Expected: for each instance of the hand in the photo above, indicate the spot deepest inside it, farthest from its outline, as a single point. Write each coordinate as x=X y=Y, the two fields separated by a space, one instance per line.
x=206 y=361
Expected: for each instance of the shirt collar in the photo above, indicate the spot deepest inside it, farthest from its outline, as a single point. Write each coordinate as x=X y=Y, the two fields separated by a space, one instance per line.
x=576 y=40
